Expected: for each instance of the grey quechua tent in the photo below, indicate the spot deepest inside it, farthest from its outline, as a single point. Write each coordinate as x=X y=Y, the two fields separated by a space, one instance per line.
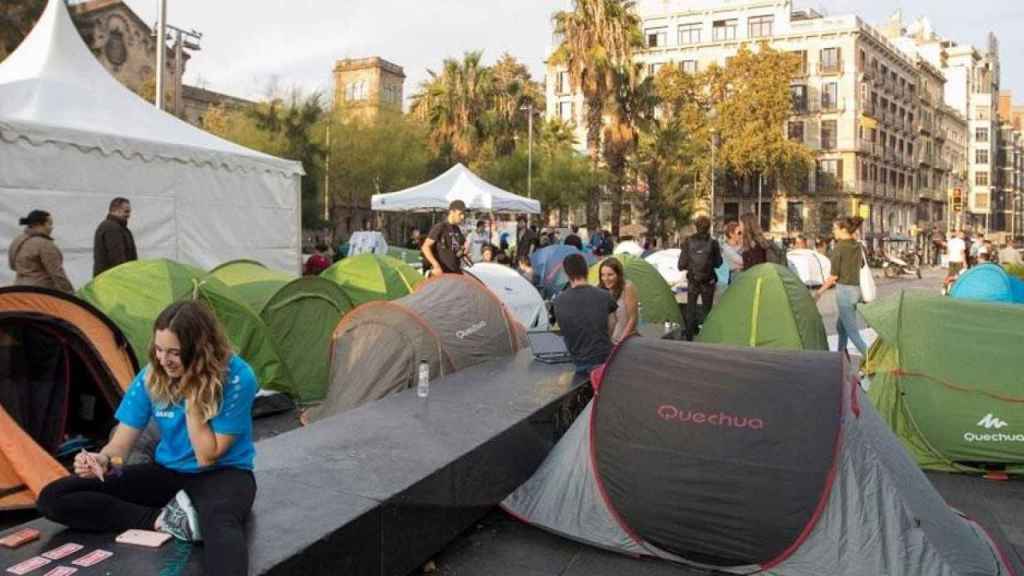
x=746 y=461
x=452 y=322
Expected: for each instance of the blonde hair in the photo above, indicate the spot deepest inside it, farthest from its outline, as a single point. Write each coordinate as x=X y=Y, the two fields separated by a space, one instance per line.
x=205 y=353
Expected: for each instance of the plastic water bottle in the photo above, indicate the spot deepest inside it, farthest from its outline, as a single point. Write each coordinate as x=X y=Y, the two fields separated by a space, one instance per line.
x=639 y=315
x=423 y=381
x=668 y=327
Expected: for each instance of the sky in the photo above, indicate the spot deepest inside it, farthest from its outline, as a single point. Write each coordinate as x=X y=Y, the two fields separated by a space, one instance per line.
x=251 y=46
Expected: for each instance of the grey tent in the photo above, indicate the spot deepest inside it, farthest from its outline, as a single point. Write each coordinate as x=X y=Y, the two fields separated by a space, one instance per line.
x=746 y=461
x=452 y=322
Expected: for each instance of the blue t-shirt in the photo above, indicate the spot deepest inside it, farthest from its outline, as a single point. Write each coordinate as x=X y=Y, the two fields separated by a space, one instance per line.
x=175 y=449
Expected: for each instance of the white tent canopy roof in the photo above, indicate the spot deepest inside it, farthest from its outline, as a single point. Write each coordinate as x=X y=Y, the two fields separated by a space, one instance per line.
x=52 y=89
x=458 y=183
x=72 y=138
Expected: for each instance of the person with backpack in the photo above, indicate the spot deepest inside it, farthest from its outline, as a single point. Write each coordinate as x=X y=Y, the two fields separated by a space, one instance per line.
x=756 y=248
x=699 y=255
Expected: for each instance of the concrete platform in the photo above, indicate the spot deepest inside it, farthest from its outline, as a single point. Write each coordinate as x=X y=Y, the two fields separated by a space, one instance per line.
x=380 y=489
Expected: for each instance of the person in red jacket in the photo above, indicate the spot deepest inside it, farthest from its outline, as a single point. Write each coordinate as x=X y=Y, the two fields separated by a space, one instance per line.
x=318 y=262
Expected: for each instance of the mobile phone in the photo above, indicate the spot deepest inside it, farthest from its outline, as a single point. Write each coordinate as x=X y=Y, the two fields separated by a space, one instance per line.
x=147 y=538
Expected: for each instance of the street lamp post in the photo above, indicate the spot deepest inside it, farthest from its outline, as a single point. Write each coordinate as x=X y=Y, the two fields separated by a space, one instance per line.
x=529 y=149
x=714 y=145
x=161 y=53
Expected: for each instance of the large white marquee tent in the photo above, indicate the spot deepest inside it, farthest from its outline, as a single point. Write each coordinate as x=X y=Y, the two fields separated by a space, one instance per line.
x=458 y=183
x=72 y=138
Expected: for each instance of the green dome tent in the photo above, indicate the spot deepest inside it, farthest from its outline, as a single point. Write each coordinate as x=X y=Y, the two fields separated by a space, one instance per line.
x=135 y=293
x=655 y=295
x=766 y=306
x=368 y=277
x=301 y=314
x=946 y=374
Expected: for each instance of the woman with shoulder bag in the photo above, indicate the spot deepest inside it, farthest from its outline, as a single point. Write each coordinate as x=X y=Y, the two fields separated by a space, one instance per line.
x=847 y=260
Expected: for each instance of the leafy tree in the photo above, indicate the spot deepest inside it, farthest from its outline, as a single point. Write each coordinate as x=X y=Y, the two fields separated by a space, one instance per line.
x=376 y=155
x=598 y=38
x=752 y=117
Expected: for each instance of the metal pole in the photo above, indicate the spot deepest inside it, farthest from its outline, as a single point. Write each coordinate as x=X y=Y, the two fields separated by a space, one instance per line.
x=161 y=53
x=178 y=70
x=712 y=229
x=327 y=175
x=529 y=152
x=760 y=186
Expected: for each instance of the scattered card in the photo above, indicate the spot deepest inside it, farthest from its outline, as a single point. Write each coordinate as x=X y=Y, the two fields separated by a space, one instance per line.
x=61 y=571
x=62 y=551
x=94 y=557
x=28 y=565
x=15 y=539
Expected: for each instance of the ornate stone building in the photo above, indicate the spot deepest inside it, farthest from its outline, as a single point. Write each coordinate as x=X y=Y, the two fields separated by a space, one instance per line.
x=126 y=46
x=366 y=86
x=363 y=88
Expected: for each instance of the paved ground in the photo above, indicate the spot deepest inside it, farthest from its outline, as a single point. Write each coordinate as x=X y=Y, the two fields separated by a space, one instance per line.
x=502 y=546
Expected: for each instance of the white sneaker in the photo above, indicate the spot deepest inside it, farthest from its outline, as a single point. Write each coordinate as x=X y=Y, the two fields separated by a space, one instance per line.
x=179 y=519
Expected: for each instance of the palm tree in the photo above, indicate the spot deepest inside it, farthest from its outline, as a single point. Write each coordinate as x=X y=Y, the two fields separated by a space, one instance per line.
x=597 y=42
x=453 y=103
x=630 y=106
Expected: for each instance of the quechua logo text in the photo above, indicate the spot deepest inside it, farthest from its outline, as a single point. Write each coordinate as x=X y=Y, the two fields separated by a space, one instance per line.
x=670 y=413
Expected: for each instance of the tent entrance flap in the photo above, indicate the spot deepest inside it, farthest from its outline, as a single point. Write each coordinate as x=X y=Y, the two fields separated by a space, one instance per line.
x=53 y=385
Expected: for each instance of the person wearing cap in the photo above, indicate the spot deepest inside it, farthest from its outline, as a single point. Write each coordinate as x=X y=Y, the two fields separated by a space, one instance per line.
x=35 y=257
x=444 y=248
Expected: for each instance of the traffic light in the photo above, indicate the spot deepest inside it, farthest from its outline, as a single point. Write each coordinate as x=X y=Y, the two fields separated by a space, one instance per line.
x=958 y=200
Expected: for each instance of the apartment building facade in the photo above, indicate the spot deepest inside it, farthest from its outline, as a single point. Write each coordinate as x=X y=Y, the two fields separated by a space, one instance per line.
x=972 y=89
x=855 y=102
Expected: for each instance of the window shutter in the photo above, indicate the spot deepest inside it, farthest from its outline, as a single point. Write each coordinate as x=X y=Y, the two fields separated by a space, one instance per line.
x=839 y=170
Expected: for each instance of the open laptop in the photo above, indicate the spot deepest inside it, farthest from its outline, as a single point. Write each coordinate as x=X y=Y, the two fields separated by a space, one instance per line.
x=548 y=347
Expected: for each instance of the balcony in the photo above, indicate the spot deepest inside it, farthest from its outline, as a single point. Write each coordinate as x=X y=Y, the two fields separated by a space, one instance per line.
x=869 y=109
x=867 y=147
x=830 y=68
x=829 y=105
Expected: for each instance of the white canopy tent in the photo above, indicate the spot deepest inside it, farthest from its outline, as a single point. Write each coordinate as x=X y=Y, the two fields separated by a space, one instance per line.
x=458 y=183
x=72 y=138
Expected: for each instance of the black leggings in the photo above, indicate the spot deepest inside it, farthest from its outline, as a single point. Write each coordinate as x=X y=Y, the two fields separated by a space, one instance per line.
x=222 y=499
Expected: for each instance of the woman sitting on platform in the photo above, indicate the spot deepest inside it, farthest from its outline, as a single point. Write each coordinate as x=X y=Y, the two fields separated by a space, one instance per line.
x=201 y=396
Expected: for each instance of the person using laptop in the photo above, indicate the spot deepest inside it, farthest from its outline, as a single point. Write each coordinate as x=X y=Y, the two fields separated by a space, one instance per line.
x=586 y=317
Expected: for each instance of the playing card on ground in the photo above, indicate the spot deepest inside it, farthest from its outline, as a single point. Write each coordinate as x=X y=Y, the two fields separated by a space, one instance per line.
x=28 y=565
x=61 y=571
x=62 y=551
x=94 y=557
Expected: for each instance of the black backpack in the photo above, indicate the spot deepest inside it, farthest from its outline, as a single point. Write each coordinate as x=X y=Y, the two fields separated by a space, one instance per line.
x=698 y=251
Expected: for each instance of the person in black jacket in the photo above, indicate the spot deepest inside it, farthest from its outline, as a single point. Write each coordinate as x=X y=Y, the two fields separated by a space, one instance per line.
x=699 y=255
x=527 y=239
x=113 y=243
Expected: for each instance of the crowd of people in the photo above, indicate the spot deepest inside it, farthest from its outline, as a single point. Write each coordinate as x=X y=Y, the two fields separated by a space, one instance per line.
x=200 y=393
